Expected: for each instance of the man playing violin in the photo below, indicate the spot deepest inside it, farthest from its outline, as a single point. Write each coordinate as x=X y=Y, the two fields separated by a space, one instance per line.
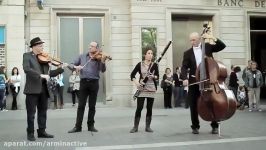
x=37 y=75
x=191 y=60
x=90 y=65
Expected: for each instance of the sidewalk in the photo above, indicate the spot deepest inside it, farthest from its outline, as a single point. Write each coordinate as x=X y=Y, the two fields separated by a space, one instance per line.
x=245 y=130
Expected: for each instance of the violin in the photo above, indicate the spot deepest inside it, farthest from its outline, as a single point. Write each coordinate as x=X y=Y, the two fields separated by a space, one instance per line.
x=98 y=55
x=46 y=58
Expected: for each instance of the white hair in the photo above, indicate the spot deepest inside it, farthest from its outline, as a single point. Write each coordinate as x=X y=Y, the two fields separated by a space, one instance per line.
x=194 y=34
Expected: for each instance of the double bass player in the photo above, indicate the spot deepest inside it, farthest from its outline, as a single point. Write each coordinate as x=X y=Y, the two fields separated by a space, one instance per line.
x=191 y=60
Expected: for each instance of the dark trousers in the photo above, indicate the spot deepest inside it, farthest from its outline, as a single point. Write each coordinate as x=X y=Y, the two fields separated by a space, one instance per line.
x=74 y=94
x=193 y=95
x=87 y=88
x=167 y=92
x=2 y=96
x=178 y=95
x=234 y=89
x=41 y=101
x=186 y=99
x=14 y=95
x=60 y=94
x=140 y=104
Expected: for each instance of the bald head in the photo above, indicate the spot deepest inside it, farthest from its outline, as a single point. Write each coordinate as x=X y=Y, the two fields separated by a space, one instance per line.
x=93 y=46
x=194 y=39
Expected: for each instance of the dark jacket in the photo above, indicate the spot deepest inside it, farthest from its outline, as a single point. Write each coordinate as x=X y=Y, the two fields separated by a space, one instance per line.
x=33 y=71
x=189 y=60
x=137 y=69
x=233 y=80
x=176 y=79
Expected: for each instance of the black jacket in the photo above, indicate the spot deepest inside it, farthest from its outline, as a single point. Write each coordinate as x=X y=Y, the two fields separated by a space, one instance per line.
x=137 y=69
x=189 y=60
x=32 y=70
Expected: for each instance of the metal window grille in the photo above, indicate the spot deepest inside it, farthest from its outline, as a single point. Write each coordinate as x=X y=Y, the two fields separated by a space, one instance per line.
x=2 y=55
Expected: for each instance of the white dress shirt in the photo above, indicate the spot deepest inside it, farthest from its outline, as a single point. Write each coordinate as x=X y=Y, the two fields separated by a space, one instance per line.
x=198 y=54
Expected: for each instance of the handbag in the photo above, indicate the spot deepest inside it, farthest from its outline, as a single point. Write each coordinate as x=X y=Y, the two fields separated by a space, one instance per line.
x=70 y=89
x=12 y=87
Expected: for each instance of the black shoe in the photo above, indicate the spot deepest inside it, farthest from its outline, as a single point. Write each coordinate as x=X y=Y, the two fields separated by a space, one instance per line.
x=30 y=137
x=92 y=128
x=75 y=129
x=133 y=130
x=214 y=130
x=148 y=129
x=43 y=134
x=195 y=131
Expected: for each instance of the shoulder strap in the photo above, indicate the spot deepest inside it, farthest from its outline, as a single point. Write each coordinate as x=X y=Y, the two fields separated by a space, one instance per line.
x=151 y=64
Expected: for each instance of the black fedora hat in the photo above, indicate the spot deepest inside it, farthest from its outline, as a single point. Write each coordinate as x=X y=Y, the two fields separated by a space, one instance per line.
x=35 y=41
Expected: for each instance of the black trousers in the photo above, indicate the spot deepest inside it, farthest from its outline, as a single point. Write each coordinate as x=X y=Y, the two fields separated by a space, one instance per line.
x=88 y=87
x=140 y=104
x=167 y=92
x=41 y=101
x=14 y=95
x=74 y=94
x=193 y=95
x=60 y=94
x=234 y=89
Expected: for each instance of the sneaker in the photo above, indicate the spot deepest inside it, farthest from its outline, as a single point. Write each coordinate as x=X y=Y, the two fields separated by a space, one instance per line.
x=250 y=110
x=260 y=110
x=5 y=110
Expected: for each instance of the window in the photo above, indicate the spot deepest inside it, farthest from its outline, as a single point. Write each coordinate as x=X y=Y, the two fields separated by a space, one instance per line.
x=149 y=39
x=2 y=46
x=2 y=35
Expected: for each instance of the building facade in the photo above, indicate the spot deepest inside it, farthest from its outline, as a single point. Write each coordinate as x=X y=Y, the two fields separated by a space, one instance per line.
x=68 y=26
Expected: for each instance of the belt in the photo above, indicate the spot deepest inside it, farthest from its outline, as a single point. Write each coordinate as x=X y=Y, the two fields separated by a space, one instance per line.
x=88 y=79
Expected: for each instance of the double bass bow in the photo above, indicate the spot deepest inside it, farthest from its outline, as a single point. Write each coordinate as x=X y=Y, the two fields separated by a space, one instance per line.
x=216 y=102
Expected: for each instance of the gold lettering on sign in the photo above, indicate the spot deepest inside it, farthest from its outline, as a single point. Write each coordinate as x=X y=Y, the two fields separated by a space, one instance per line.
x=231 y=3
x=154 y=1
x=260 y=3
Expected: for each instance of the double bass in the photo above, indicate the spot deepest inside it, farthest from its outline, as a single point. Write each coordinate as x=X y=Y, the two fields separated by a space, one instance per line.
x=216 y=102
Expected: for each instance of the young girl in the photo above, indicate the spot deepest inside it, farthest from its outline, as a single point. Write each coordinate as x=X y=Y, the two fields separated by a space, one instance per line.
x=15 y=86
x=242 y=98
x=74 y=82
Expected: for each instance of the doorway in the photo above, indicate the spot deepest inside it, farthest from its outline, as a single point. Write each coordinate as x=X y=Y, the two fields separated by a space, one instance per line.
x=182 y=26
x=258 y=46
x=75 y=34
